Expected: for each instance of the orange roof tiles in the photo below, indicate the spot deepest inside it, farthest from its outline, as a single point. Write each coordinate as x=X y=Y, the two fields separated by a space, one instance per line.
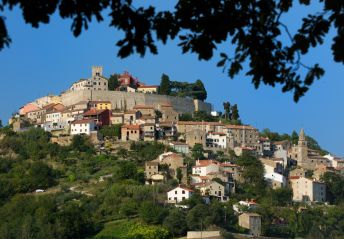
x=132 y=126
x=82 y=121
x=148 y=86
x=93 y=112
x=204 y=163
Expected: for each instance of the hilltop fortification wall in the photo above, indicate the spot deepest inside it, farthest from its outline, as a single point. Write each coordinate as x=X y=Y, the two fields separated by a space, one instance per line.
x=127 y=100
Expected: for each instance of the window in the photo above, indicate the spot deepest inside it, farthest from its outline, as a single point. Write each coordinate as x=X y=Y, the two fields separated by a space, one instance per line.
x=183 y=192
x=175 y=192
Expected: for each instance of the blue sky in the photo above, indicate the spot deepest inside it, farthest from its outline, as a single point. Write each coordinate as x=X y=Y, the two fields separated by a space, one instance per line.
x=50 y=59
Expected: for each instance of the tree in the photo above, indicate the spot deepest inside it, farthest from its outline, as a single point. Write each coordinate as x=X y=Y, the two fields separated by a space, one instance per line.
x=253 y=175
x=334 y=187
x=176 y=222
x=235 y=112
x=199 y=91
x=1 y=124
x=179 y=175
x=254 y=28
x=165 y=85
x=227 y=109
x=197 y=151
x=128 y=208
x=196 y=218
x=111 y=130
x=294 y=137
x=82 y=143
x=152 y=213
x=113 y=82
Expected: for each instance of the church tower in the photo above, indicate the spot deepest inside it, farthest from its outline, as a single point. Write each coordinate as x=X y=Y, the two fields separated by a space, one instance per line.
x=302 y=148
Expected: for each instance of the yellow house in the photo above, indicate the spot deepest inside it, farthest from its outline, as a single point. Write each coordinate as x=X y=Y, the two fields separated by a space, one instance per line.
x=147 y=89
x=100 y=105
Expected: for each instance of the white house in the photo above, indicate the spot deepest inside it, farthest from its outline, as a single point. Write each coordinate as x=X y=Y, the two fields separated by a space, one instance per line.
x=54 y=116
x=336 y=162
x=203 y=167
x=250 y=205
x=178 y=194
x=275 y=180
x=216 y=140
x=83 y=126
x=51 y=126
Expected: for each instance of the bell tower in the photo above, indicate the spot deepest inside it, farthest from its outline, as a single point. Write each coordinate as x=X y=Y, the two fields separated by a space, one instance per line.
x=302 y=148
x=97 y=71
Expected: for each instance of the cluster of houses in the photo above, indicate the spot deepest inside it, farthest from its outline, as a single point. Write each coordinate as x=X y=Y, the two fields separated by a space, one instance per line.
x=284 y=164
x=283 y=168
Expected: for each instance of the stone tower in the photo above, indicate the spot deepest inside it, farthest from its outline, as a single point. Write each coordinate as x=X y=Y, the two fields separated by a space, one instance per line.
x=302 y=149
x=97 y=71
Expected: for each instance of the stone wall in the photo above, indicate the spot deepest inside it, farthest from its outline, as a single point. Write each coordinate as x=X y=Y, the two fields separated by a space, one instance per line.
x=127 y=100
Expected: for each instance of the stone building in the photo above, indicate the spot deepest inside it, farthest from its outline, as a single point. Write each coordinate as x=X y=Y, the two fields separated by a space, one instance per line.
x=168 y=113
x=300 y=172
x=131 y=116
x=251 y=221
x=305 y=189
x=131 y=132
x=151 y=168
x=243 y=135
x=96 y=83
x=149 y=133
x=145 y=109
x=187 y=126
x=212 y=189
x=305 y=157
x=172 y=160
x=196 y=136
x=117 y=118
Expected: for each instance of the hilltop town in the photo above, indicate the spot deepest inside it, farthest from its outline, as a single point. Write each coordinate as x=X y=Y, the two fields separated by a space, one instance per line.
x=205 y=152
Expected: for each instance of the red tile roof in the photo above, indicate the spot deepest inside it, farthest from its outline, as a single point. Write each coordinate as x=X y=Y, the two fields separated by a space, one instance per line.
x=148 y=86
x=133 y=127
x=93 y=112
x=83 y=121
x=204 y=163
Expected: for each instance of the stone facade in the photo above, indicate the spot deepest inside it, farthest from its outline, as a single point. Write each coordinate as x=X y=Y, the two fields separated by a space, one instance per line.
x=243 y=135
x=251 y=221
x=305 y=157
x=127 y=100
x=196 y=136
x=305 y=189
